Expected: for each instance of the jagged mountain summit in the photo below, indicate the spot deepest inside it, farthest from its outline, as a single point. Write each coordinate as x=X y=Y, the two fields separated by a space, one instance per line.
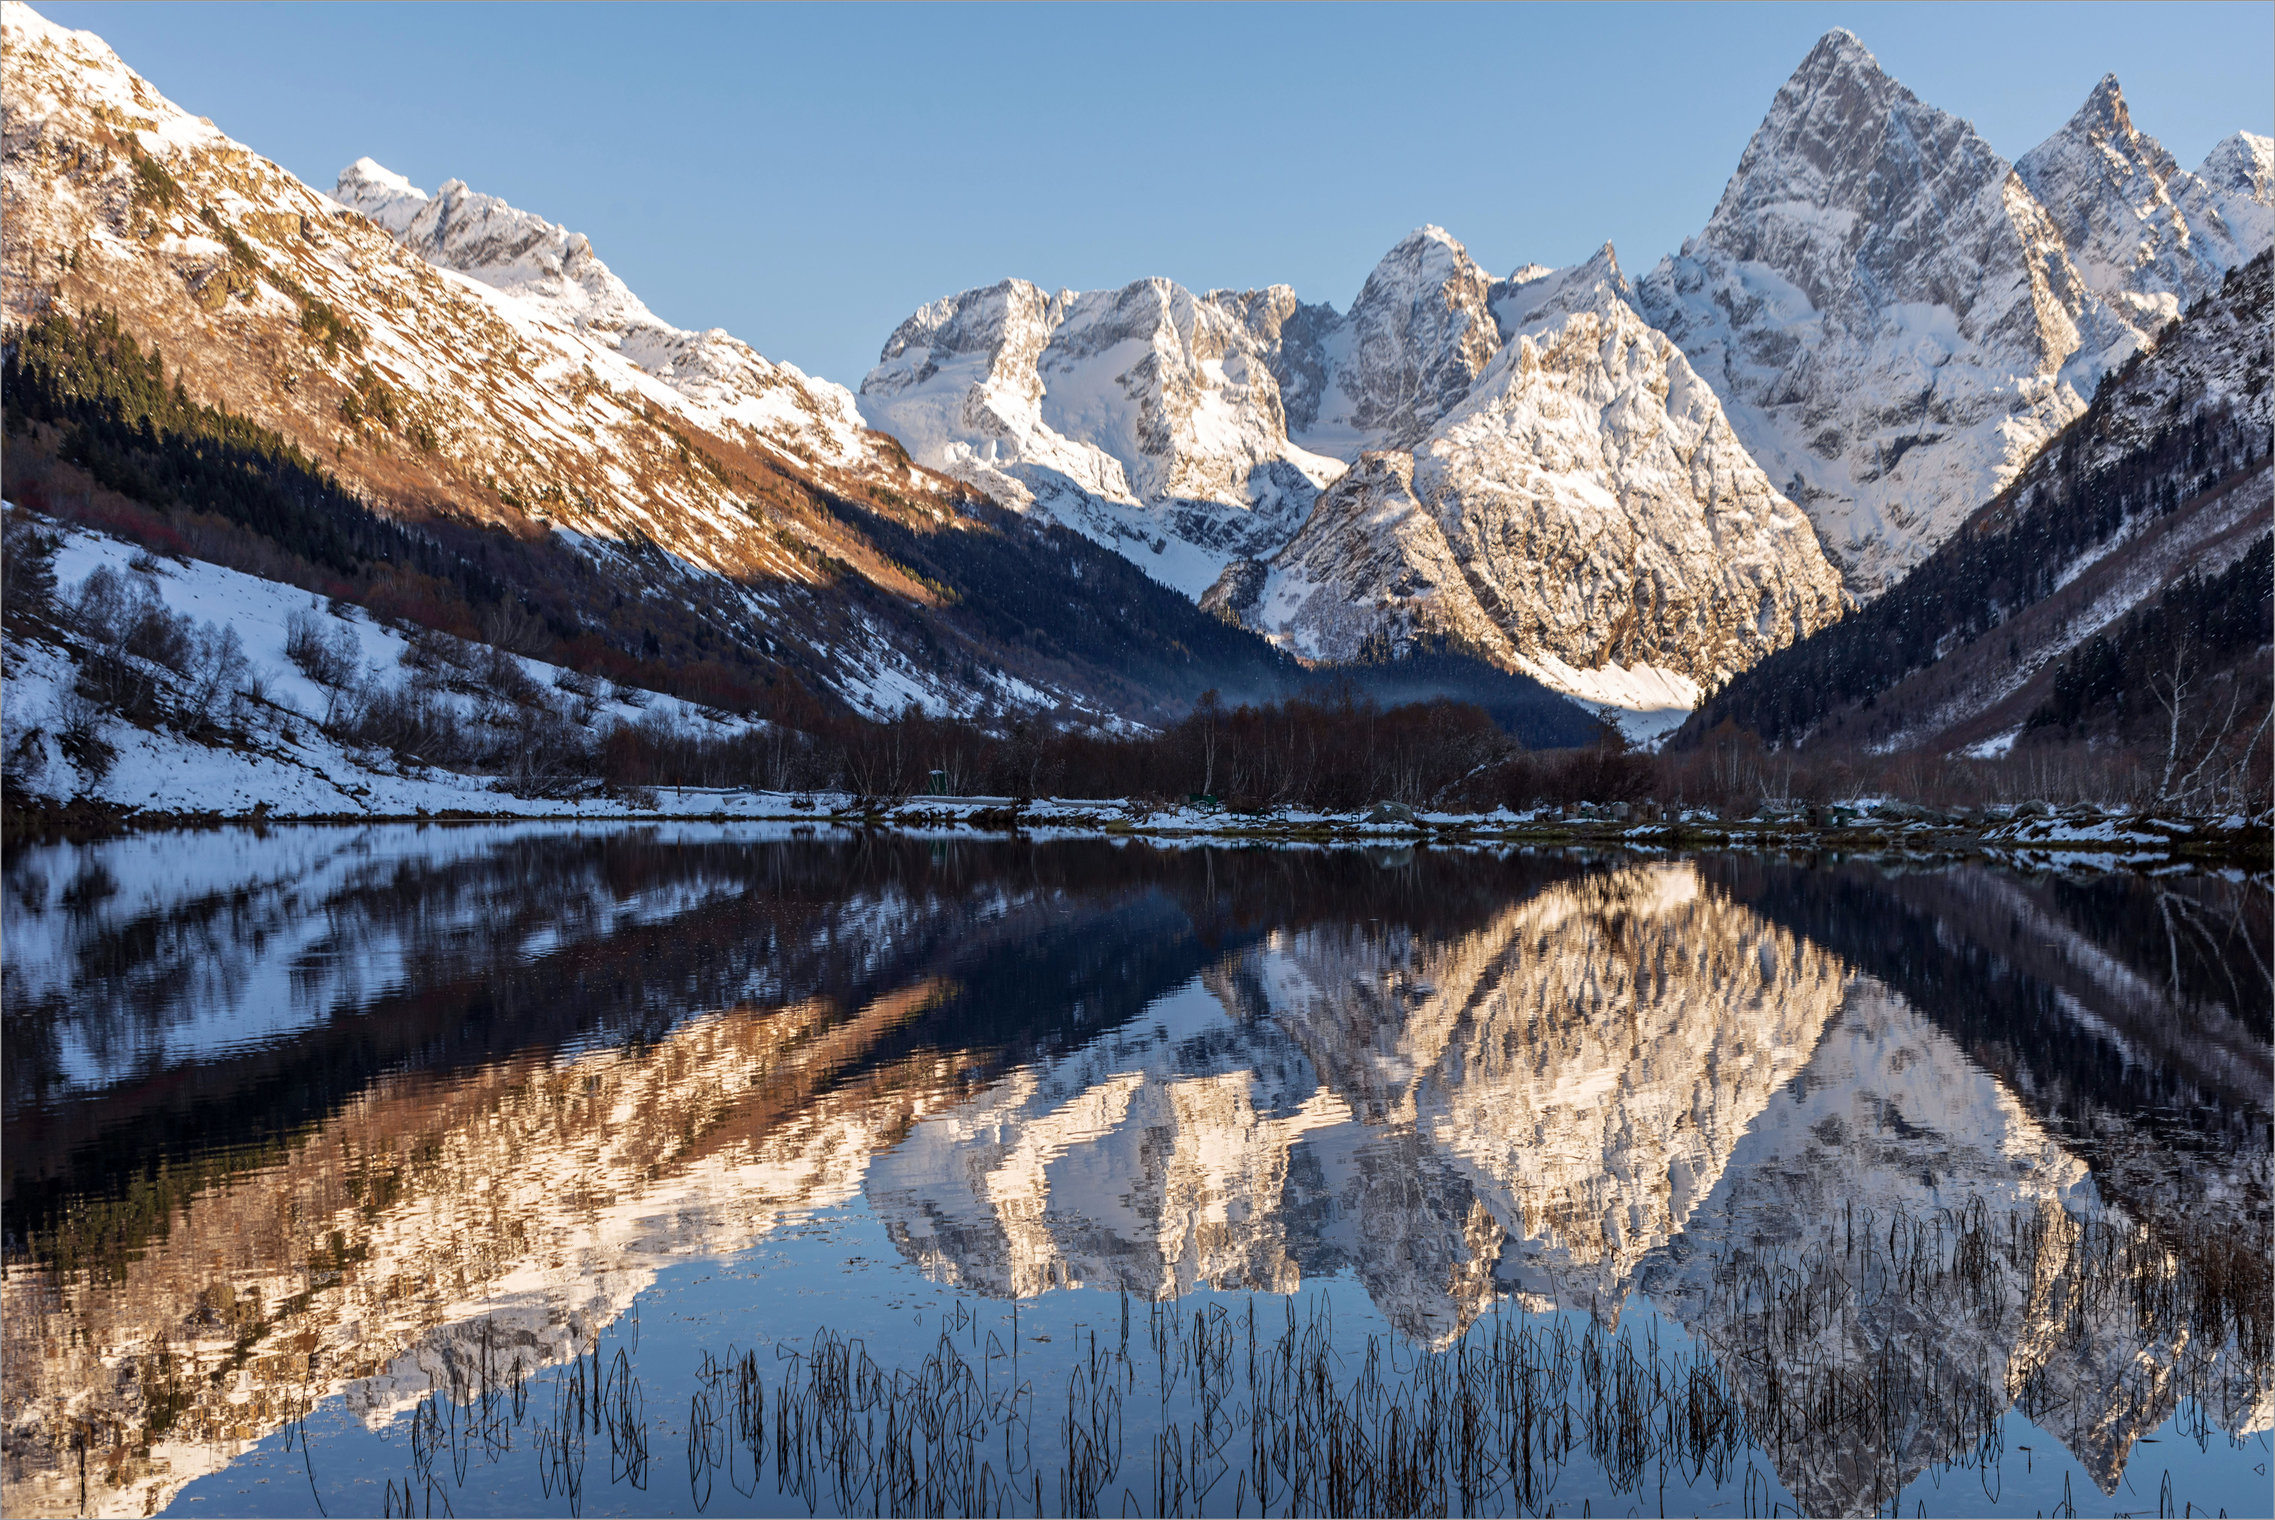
x=1146 y=418
x=2238 y=176
x=555 y=271
x=2149 y=237
x=1585 y=514
x=1407 y=352
x=1896 y=322
x=1190 y=430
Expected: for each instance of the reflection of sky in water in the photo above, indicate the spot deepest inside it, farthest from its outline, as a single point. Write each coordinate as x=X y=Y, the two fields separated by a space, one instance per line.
x=544 y=1077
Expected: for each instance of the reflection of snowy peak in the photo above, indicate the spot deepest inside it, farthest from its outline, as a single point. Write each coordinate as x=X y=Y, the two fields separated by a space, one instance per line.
x=1449 y=1120
x=1889 y=1118
x=1144 y=414
x=1588 y=1138
x=1157 y=1172
x=2147 y=236
x=557 y=274
x=1891 y=318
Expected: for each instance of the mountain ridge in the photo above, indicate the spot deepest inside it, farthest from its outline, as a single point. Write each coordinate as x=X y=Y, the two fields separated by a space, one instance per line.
x=2166 y=472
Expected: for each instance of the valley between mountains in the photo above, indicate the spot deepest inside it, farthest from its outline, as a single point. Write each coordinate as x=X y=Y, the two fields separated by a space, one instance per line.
x=377 y=498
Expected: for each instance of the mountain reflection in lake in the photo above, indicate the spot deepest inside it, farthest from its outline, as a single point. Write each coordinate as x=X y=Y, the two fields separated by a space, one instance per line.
x=530 y=1169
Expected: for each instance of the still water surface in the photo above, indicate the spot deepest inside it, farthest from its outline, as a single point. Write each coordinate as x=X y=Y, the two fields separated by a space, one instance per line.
x=511 y=1170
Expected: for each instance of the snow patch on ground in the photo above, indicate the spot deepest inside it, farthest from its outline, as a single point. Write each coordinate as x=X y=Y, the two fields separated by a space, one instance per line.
x=1993 y=747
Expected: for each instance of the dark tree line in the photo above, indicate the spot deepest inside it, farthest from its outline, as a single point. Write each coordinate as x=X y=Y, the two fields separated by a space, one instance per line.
x=144 y=438
x=2202 y=625
x=1329 y=750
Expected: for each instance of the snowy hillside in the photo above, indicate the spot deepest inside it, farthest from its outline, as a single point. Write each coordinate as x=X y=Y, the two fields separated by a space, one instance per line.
x=236 y=680
x=672 y=495
x=556 y=273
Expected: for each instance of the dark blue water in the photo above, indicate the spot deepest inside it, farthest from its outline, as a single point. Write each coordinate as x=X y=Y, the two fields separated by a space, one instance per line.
x=529 y=1170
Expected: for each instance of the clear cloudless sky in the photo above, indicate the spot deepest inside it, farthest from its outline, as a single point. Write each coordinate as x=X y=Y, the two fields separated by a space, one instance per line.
x=807 y=175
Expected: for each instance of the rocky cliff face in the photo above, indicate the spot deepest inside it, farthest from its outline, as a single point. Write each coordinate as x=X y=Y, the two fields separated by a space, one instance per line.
x=2163 y=476
x=1407 y=352
x=1890 y=316
x=2147 y=236
x=1585 y=513
x=1146 y=418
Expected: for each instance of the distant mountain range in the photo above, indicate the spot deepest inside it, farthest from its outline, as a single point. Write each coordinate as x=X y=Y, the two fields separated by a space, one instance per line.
x=1630 y=490
x=1596 y=480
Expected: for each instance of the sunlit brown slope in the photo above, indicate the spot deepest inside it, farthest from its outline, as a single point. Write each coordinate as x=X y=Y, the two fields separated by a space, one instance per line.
x=440 y=397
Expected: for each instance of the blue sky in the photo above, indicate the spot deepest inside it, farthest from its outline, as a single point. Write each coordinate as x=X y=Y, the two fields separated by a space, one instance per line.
x=805 y=176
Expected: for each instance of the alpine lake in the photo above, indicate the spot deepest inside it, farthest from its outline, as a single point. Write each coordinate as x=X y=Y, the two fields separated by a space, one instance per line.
x=721 y=1169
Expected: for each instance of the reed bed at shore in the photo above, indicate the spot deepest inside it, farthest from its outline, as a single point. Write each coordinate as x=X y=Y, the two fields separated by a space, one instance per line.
x=1848 y=1365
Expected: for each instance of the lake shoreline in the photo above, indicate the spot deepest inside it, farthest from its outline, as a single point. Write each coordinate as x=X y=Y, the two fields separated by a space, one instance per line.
x=2107 y=837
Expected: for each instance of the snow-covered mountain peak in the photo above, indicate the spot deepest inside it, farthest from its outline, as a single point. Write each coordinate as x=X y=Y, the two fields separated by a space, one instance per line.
x=1584 y=514
x=1424 y=260
x=2238 y=180
x=1146 y=415
x=2104 y=113
x=1836 y=180
x=2242 y=163
x=1891 y=318
x=2147 y=236
x=1414 y=340
x=381 y=194
x=1839 y=75
x=1536 y=294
